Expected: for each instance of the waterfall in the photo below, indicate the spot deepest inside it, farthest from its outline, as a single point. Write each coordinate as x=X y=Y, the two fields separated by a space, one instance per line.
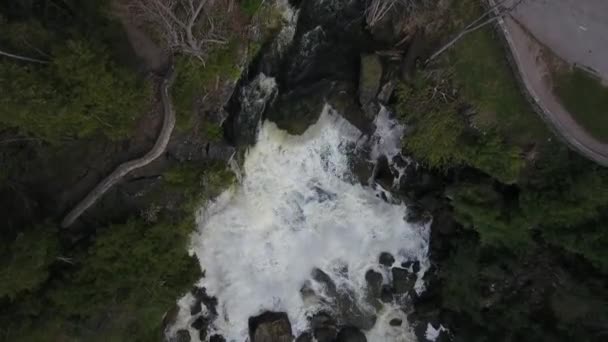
x=298 y=209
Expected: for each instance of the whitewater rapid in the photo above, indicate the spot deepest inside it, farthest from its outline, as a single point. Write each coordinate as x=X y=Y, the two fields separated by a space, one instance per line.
x=299 y=207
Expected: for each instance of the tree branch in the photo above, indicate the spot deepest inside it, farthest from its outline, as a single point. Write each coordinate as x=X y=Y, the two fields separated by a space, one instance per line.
x=23 y=58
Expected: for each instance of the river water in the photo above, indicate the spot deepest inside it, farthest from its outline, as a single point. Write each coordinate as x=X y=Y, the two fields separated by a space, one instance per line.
x=299 y=207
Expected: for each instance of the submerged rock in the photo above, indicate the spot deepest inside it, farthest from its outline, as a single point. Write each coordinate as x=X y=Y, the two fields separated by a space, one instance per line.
x=182 y=336
x=304 y=337
x=386 y=259
x=386 y=294
x=403 y=281
x=374 y=283
x=350 y=334
x=323 y=327
x=199 y=323
x=322 y=278
x=270 y=327
x=217 y=338
x=200 y=293
x=395 y=322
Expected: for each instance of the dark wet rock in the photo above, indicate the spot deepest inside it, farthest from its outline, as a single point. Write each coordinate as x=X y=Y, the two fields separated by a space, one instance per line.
x=414 y=264
x=350 y=334
x=327 y=42
x=182 y=336
x=200 y=293
x=322 y=278
x=386 y=92
x=196 y=308
x=350 y=313
x=306 y=291
x=201 y=323
x=325 y=334
x=249 y=105
x=374 y=282
x=414 y=52
x=306 y=56
x=444 y=223
x=419 y=182
x=346 y=309
x=386 y=294
x=403 y=281
x=340 y=17
x=400 y=162
x=219 y=151
x=170 y=317
x=323 y=195
x=304 y=337
x=382 y=173
x=395 y=322
x=415 y=213
x=322 y=319
x=386 y=259
x=431 y=202
x=298 y=109
x=217 y=338
x=369 y=78
x=323 y=327
x=270 y=327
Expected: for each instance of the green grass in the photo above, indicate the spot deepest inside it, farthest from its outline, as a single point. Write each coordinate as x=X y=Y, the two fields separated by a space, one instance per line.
x=484 y=78
x=250 y=7
x=193 y=79
x=586 y=99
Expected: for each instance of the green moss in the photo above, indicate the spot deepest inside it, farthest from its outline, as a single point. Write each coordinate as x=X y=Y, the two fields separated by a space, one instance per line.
x=198 y=182
x=195 y=78
x=586 y=99
x=26 y=262
x=80 y=94
x=250 y=7
x=480 y=207
x=442 y=139
x=484 y=78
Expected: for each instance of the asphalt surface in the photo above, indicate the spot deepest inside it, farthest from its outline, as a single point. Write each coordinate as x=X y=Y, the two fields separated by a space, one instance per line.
x=575 y=30
x=556 y=25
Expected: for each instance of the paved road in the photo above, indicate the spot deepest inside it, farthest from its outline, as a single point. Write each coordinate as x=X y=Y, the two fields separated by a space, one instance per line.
x=576 y=30
x=123 y=169
x=550 y=24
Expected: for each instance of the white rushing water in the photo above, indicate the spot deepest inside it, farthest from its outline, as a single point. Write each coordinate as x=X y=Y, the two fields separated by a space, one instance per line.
x=297 y=208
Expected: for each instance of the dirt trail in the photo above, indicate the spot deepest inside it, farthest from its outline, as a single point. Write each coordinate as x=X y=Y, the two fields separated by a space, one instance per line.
x=122 y=170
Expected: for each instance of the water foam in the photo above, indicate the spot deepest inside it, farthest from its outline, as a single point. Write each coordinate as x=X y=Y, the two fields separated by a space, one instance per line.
x=296 y=209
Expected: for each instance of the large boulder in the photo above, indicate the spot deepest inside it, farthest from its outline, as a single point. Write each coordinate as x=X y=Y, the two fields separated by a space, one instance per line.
x=270 y=327
x=346 y=308
x=301 y=107
x=370 y=76
x=386 y=259
x=323 y=327
x=403 y=280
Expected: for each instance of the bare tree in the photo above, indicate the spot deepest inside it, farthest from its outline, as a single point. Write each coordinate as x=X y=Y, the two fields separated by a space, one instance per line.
x=186 y=26
x=376 y=10
x=491 y=15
